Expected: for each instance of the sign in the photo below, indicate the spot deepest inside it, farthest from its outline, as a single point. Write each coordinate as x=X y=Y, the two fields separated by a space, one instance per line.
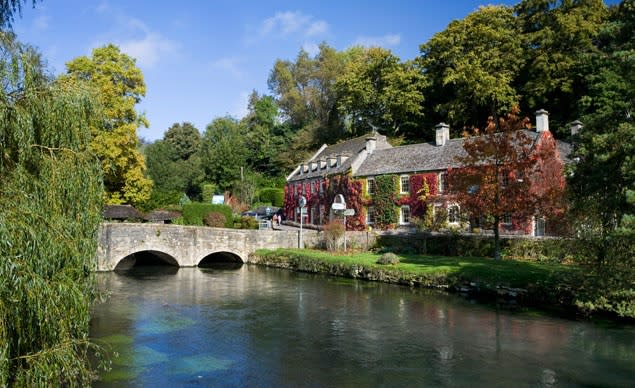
x=349 y=212
x=302 y=201
x=339 y=203
x=218 y=199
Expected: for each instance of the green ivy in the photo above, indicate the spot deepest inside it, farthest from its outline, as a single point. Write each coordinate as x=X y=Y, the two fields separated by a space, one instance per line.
x=384 y=202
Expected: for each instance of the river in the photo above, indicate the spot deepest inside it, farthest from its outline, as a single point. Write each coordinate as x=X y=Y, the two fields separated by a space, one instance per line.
x=258 y=327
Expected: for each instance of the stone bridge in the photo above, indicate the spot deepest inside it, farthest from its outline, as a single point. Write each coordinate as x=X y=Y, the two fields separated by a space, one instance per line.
x=121 y=245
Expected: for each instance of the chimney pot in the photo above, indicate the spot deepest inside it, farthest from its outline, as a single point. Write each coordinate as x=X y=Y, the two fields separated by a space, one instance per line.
x=542 y=121
x=442 y=134
x=575 y=127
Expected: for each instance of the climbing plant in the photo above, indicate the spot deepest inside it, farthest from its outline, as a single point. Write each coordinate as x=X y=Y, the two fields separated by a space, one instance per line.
x=384 y=201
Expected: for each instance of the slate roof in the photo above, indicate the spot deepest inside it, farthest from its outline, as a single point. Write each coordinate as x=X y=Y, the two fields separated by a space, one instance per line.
x=121 y=212
x=350 y=148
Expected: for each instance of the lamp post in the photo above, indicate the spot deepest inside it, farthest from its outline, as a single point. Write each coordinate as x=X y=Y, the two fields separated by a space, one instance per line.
x=301 y=204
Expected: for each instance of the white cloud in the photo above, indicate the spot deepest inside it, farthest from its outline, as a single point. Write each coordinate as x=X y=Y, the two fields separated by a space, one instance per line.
x=240 y=107
x=311 y=48
x=149 y=50
x=378 y=41
x=41 y=22
x=229 y=65
x=296 y=23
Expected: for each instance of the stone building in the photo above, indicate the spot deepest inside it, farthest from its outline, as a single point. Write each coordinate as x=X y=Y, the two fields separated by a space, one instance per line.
x=364 y=168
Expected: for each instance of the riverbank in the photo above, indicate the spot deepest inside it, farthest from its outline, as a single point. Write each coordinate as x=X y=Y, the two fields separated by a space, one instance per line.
x=521 y=283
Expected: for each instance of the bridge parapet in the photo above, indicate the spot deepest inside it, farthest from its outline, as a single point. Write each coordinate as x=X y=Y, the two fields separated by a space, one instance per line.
x=187 y=245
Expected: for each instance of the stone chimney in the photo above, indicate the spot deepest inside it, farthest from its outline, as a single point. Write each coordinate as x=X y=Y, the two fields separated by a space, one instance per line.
x=575 y=127
x=443 y=134
x=371 y=143
x=542 y=121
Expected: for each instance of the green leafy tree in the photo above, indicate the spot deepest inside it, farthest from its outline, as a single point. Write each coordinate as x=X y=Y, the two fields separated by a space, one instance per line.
x=472 y=66
x=184 y=138
x=377 y=91
x=8 y=10
x=50 y=205
x=306 y=95
x=223 y=152
x=556 y=36
x=120 y=86
x=602 y=182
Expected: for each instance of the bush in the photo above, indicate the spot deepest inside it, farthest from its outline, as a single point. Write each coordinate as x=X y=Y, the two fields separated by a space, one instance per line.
x=245 y=222
x=194 y=213
x=333 y=233
x=388 y=258
x=272 y=195
x=215 y=219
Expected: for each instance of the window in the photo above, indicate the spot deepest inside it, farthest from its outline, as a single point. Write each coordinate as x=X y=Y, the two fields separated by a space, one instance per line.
x=507 y=219
x=370 y=215
x=443 y=182
x=405 y=184
x=370 y=186
x=454 y=214
x=321 y=187
x=504 y=180
x=404 y=215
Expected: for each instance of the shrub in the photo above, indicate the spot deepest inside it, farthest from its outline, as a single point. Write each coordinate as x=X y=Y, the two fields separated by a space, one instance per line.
x=194 y=213
x=245 y=222
x=272 y=195
x=388 y=258
x=333 y=233
x=215 y=219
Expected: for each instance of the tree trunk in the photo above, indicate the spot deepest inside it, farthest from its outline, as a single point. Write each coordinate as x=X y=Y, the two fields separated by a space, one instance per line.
x=497 y=243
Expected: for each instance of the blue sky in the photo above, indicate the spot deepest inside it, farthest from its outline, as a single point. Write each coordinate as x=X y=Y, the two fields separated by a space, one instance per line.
x=201 y=59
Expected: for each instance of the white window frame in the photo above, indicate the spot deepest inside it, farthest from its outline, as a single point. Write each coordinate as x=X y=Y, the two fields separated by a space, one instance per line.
x=457 y=215
x=370 y=211
x=402 y=220
x=442 y=182
x=369 y=185
x=507 y=219
x=401 y=184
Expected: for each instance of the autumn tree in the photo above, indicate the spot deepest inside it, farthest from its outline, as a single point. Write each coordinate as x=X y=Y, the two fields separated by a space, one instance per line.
x=120 y=86
x=378 y=91
x=50 y=210
x=471 y=67
x=507 y=172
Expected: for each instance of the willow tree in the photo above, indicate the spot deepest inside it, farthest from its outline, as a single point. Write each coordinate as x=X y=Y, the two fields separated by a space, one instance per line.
x=50 y=201
x=120 y=86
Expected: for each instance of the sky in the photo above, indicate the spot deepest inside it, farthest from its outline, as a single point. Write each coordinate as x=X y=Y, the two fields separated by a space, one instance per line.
x=201 y=59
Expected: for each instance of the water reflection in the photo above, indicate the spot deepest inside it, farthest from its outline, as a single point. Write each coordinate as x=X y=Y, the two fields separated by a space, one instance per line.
x=252 y=326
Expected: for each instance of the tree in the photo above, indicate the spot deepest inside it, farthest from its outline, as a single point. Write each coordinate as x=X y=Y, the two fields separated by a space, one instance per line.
x=471 y=66
x=506 y=172
x=120 y=86
x=602 y=182
x=556 y=36
x=184 y=138
x=223 y=151
x=8 y=9
x=377 y=91
x=306 y=95
x=50 y=207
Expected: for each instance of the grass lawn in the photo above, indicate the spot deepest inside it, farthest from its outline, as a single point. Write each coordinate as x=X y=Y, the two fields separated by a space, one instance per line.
x=510 y=273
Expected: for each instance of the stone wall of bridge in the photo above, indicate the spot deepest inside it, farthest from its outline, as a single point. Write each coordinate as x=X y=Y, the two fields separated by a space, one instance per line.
x=187 y=246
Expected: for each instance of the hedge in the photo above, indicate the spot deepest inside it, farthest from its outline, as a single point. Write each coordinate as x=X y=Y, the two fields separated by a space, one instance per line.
x=194 y=213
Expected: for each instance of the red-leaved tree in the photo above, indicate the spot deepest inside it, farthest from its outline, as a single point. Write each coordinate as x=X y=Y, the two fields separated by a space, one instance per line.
x=507 y=171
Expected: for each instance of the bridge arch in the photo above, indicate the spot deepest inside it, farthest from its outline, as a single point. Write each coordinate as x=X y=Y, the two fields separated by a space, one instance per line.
x=146 y=257
x=221 y=257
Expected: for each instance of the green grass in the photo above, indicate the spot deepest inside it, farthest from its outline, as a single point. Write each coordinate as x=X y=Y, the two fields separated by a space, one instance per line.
x=509 y=273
